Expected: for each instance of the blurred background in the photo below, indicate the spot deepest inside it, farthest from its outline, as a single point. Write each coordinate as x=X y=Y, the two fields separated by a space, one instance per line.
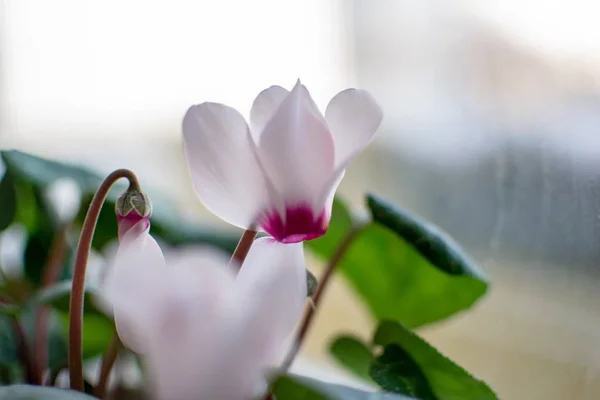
x=491 y=130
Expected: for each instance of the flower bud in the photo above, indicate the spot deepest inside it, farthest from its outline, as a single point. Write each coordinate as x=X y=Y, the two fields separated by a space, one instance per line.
x=133 y=207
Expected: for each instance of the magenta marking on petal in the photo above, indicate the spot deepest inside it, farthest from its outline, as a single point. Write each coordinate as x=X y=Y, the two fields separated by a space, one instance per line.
x=125 y=223
x=300 y=224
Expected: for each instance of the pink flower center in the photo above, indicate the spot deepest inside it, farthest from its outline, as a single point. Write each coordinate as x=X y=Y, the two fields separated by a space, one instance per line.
x=300 y=224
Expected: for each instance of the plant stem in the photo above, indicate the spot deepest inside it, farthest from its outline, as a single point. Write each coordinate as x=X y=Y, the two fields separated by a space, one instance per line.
x=24 y=351
x=52 y=271
x=108 y=361
x=310 y=309
x=243 y=246
x=78 y=287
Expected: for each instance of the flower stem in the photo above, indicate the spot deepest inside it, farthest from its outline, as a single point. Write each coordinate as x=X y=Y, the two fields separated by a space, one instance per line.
x=24 y=350
x=51 y=273
x=78 y=286
x=243 y=246
x=108 y=361
x=310 y=309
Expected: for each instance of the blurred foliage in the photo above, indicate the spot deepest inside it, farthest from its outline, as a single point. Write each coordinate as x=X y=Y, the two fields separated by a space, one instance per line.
x=294 y=387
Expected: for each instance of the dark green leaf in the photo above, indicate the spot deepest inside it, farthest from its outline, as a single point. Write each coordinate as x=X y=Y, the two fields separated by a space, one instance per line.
x=28 y=207
x=30 y=392
x=353 y=354
x=397 y=372
x=286 y=388
x=42 y=172
x=434 y=245
x=393 y=277
x=38 y=248
x=408 y=359
x=292 y=387
x=8 y=348
x=8 y=201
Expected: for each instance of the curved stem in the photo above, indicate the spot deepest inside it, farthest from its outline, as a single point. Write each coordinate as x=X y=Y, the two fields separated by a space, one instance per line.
x=51 y=273
x=310 y=309
x=78 y=287
x=243 y=246
x=108 y=361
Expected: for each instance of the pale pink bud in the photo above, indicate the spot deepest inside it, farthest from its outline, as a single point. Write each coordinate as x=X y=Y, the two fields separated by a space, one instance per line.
x=133 y=209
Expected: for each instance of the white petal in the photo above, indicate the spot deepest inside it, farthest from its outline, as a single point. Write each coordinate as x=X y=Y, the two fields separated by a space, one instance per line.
x=336 y=179
x=353 y=116
x=130 y=288
x=296 y=149
x=264 y=107
x=273 y=278
x=195 y=329
x=223 y=164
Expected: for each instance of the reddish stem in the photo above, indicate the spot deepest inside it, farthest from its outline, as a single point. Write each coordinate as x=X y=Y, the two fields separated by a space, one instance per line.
x=51 y=274
x=243 y=246
x=78 y=287
x=24 y=351
x=108 y=361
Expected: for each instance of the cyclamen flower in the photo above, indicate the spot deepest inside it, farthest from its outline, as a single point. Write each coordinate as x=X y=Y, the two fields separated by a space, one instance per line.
x=280 y=174
x=205 y=333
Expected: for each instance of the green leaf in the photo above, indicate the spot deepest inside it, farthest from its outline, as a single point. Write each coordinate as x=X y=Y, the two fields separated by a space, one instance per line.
x=293 y=387
x=98 y=332
x=353 y=354
x=393 y=271
x=410 y=362
x=8 y=201
x=31 y=392
x=8 y=348
x=41 y=172
x=396 y=371
x=434 y=245
x=38 y=248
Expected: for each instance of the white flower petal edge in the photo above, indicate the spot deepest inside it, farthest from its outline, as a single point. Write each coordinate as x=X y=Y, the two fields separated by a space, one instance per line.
x=296 y=149
x=278 y=286
x=264 y=107
x=353 y=116
x=207 y=333
x=138 y=264
x=223 y=164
